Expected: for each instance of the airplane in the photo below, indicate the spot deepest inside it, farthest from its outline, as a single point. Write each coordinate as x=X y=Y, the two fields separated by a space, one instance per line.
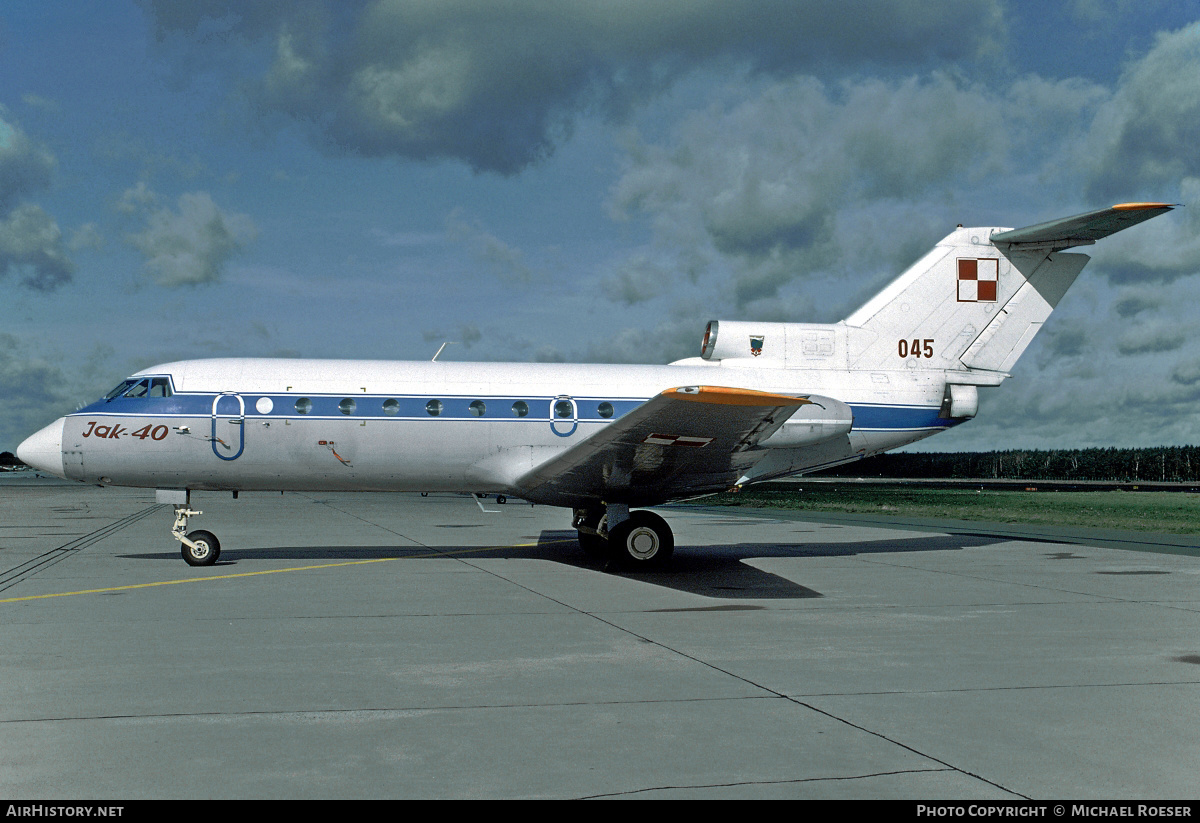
x=761 y=401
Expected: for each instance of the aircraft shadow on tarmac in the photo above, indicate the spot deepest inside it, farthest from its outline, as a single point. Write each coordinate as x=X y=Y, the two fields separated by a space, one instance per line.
x=712 y=571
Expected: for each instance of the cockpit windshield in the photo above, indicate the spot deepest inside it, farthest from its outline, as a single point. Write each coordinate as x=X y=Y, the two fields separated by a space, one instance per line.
x=120 y=390
x=145 y=387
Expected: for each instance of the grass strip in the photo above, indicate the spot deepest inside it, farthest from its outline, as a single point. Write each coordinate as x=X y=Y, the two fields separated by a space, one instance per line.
x=1159 y=512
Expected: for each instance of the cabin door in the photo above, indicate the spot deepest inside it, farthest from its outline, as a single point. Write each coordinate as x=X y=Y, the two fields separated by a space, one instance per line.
x=564 y=416
x=228 y=425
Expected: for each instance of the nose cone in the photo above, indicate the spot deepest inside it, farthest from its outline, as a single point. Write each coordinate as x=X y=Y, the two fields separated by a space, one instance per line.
x=43 y=450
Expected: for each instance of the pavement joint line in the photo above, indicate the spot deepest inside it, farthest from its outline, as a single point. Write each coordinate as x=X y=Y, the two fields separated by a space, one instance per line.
x=768 y=690
x=975 y=689
x=1100 y=598
x=131 y=586
x=33 y=565
x=377 y=710
x=915 y=751
x=781 y=782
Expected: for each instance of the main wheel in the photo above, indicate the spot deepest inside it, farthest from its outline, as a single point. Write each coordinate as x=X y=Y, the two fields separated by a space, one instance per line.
x=642 y=541
x=206 y=551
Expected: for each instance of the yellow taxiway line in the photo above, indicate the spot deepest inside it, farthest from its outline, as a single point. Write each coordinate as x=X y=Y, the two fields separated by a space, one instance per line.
x=276 y=571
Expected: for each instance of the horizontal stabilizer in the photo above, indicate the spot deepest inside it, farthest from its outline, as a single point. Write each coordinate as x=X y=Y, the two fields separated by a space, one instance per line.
x=1080 y=230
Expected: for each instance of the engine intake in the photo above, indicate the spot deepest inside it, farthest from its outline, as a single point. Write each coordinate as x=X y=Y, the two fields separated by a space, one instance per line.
x=731 y=340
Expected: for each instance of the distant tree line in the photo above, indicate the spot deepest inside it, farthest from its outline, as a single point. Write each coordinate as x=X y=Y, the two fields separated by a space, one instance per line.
x=1162 y=464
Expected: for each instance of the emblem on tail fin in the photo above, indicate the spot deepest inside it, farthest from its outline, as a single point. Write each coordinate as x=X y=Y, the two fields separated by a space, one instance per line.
x=756 y=344
x=978 y=279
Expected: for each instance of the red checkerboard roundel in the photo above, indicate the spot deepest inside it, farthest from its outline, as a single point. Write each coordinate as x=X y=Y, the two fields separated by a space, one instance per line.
x=978 y=279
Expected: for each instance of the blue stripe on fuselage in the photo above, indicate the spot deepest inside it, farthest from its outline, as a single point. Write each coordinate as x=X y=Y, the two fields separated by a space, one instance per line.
x=365 y=406
x=899 y=418
x=872 y=417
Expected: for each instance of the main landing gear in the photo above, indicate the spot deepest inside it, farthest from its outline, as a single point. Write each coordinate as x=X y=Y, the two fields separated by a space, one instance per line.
x=635 y=540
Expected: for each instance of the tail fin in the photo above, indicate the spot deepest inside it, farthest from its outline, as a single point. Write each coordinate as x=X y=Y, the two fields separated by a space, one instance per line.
x=977 y=300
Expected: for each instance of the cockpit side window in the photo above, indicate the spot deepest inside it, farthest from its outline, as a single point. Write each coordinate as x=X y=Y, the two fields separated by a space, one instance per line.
x=160 y=387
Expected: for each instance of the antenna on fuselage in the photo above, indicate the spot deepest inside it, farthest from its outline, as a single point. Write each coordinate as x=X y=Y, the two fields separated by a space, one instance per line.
x=444 y=345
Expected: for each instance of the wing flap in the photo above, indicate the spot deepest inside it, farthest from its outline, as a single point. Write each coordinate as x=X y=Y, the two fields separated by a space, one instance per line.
x=686 y=440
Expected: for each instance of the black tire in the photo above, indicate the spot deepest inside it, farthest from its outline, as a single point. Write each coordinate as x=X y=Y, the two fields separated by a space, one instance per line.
x=593 y=545
x=644 y=541
x=207 y=550
x=501 y=499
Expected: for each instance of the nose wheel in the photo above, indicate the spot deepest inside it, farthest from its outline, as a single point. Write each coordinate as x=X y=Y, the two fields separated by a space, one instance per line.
x=199 y=548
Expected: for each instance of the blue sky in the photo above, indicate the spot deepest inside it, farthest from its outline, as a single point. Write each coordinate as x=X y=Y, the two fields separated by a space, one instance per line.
x=585 y=182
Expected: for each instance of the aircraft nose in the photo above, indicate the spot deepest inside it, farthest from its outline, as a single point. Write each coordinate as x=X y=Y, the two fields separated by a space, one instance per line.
x=43 y=449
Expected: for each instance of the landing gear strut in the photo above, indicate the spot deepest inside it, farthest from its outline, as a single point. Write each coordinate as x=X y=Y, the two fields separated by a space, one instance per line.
x=199 y=548
x=638 y=539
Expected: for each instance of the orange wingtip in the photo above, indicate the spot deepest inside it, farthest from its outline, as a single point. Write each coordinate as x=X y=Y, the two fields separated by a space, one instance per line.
x=1141 y=206
x=735 y=397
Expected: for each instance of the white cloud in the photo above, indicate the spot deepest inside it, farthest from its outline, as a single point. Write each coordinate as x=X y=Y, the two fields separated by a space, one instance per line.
x=25 y=166
x=32 y=247
x=136 y=198
x=32 y=387
x=499 y=86
x=803 y=182
x=502 y=260
x=1145 y=135
x=1160 y=335
x=191 y=246
x=31 y=243
x=87 y=236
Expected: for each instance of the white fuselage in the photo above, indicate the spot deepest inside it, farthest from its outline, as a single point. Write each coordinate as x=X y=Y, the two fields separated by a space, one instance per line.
x=272 y=424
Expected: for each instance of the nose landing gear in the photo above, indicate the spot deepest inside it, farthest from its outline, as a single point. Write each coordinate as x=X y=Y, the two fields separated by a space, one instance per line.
x=199 y=548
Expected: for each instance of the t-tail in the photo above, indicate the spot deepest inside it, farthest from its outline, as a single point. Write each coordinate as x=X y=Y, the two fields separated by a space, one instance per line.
x=974 y=303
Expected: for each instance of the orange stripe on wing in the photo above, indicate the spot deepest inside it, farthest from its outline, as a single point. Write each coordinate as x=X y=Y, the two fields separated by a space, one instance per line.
x=1141 y=206
x=735 y=397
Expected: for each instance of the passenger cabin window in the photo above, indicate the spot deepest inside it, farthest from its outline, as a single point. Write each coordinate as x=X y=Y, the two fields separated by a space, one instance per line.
x=563 y=409
x=478 y=409
x=434 y=407
x=605 y=410
x=347 y=406
x=520 y=408
x=303 y=405
x=391 y=407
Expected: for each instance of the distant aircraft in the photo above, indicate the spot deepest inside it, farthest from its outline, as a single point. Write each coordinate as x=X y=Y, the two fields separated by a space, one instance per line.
x=762 y=401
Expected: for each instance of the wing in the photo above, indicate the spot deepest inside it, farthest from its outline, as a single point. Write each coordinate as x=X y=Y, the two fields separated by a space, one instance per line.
x=1082 y=229
x=685 y=441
